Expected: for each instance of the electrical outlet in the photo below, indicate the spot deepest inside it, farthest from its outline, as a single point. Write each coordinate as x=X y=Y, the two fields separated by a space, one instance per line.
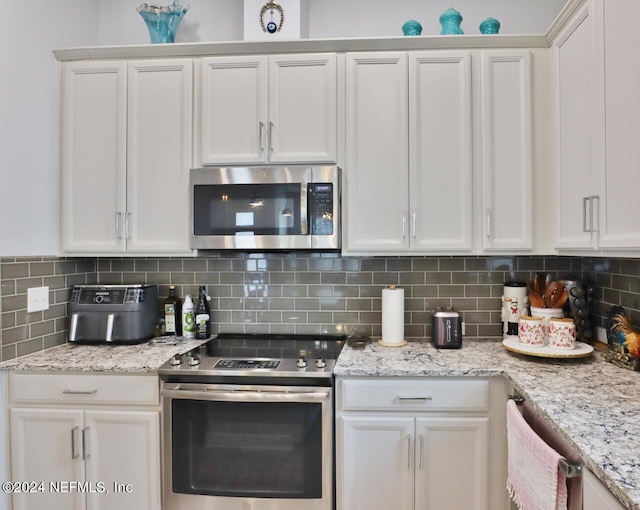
x=37 y=299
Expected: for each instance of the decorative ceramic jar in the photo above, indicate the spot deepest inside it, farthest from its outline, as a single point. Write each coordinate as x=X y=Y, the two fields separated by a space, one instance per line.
x=450 y=21
x=412 y=27
x=490 y=26
x=163 y=21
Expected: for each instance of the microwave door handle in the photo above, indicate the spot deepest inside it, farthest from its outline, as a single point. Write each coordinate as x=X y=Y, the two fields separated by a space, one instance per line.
x=305 y=220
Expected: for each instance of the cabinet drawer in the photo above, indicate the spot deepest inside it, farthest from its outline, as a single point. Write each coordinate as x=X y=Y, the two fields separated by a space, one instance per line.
x=415 y=395
x=65 y=388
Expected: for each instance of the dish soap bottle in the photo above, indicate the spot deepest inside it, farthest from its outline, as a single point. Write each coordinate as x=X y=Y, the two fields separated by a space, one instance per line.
x=188 y=318
x=203 y=329
x=172 y=314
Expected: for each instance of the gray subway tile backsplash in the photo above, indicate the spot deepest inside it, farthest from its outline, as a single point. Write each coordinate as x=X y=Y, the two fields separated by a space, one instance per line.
x=305 y=293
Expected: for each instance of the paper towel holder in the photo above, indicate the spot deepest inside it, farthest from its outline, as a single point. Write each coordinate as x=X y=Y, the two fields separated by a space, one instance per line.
x=396 y=333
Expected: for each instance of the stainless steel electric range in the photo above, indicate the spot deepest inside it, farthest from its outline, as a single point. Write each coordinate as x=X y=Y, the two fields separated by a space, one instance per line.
x=248 y=424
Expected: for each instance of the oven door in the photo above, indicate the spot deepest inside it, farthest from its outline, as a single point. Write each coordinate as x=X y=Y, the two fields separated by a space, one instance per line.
x=228 y=447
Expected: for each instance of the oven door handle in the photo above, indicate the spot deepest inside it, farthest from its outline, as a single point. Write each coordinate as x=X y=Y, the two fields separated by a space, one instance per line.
x=245 y=395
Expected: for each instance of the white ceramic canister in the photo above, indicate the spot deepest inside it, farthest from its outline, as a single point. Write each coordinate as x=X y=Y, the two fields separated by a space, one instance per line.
x=547 y=314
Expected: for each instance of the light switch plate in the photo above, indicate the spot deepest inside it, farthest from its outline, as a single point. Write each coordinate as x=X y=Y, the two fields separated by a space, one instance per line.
x=37 y=299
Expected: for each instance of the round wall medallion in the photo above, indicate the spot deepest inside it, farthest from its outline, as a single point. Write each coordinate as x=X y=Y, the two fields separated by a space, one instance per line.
x=273 y=21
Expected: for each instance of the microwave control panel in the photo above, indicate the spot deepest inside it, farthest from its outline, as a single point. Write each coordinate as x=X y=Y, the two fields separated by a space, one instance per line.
x=321 y=208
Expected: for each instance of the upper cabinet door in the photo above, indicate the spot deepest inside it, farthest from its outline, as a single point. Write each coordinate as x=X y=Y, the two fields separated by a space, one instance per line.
x=93 y=157
x=377 y=175
x=440 y=151
x=302 y=109
x=159 y=155
x=618 y=179
x=577 y=140
x=507 y=180
x=233 y=111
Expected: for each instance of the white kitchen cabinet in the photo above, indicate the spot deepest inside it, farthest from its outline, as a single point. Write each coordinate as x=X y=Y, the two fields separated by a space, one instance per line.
x=408 y=152
x=598 y=108
x=82 y=434
x=423 y=444
x=376 y=464
x=268 y=109
x=125 y=155
x=595 y=495
x=507 y=180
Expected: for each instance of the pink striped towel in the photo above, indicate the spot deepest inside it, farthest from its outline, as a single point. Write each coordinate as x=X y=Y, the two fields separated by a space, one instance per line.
x=534 y=479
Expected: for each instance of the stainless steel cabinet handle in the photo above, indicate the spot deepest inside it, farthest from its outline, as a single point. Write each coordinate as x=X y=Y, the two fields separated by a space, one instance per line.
x=79 y=392
x=85 y=443
x=413 y=221
x=404 y=223
x=421 y=453
x=408 y=451
x=74 y=453
x=126 y=225
x=489 y=233
x=585 y=200
x=270 y=135
x=425 y=398
x=117 y=216
x=594 y=214
x=260 y=128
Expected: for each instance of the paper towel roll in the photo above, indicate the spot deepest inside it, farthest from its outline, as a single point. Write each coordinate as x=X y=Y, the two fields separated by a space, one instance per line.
x=392 y=315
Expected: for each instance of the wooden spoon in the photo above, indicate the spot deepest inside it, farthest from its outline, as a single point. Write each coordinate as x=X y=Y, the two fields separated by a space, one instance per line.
x=561 y=298
x=551 y=293
x=540 y=283
x=536 y=299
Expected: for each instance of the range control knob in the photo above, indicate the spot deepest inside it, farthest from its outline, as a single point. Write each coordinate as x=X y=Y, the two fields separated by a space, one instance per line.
x=194 y=359
x=321 y=363
x=176 y=360
x=301 y=363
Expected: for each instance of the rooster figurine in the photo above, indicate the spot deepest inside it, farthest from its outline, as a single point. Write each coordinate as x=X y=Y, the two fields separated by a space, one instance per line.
x=626 y=334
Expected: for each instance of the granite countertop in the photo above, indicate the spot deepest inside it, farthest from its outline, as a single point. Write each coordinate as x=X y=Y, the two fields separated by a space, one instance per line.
x=144 y=357
x=593 y=404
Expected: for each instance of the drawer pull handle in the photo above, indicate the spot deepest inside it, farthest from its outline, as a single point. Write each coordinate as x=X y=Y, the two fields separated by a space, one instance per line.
x=79 y=392
x=422 y=399
x=408 y=451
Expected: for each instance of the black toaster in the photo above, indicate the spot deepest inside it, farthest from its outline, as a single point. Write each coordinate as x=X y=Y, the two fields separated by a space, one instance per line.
x=447 y=329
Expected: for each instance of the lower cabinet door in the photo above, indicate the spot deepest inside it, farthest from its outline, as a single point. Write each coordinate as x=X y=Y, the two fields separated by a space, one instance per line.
x=122 y=451
x=375 y=463
x=46 y=454
x=452 y=463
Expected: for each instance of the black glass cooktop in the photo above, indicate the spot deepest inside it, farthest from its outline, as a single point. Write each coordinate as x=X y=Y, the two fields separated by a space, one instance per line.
x=243 y=347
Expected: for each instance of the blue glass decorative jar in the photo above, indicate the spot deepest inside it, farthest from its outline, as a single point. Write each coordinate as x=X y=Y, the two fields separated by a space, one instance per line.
x=490 y=26
x=412 y=27
x=163 y=21
x=450 y=21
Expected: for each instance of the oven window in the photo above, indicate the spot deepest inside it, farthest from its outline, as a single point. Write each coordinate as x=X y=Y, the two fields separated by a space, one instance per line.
x=248 y=209
x=247 y=449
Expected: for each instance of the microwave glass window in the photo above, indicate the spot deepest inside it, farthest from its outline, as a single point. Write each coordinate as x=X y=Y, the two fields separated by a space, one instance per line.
x=249 y=209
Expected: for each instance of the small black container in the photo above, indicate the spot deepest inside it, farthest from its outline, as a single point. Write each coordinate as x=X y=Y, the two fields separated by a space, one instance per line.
x=447 y=329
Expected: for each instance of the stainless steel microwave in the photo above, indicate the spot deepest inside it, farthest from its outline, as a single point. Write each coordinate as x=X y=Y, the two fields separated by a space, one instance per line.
x=265 y=208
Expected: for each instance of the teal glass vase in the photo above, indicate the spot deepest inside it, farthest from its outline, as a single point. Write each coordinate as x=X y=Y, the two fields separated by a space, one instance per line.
x=163 y=21
x=450 y=21
x=490 y=26
x=412 y=27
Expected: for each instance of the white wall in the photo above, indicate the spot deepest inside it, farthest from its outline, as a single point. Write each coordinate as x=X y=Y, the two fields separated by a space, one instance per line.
x=28 y=116
x=28 y=82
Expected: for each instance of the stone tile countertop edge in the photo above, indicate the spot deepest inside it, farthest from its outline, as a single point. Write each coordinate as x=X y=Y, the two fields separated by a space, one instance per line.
x=593 y=404
x=125 y=358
